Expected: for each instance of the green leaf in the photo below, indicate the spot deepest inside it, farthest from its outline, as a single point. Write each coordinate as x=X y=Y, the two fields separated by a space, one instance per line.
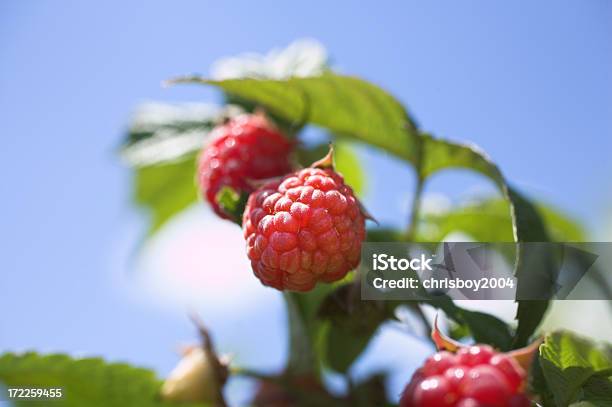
x=529 y=227
x=88 y=382
x=344 y=105
x=484 y=221
x=598 y=390
x=346 y=161
x=489 y=220
x=576 y=369
x=166 y=189
x=561 y=226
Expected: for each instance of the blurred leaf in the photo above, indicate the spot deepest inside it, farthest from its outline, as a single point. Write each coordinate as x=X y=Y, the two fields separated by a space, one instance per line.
x=349 y=165
x=165 y=189
x=484 y=221
x=161 y=133
x=598 y=390
x=576 y=369
x=562 y=227
x=86 y=382
x=489 y=220
x=346 y=161
x=383 y=235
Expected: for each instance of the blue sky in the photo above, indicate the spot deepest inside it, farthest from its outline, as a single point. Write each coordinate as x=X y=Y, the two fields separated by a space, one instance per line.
x=529 y=82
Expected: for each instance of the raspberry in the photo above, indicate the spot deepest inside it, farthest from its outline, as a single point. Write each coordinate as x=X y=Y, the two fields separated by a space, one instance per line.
x=302 y=229
x=246 y=148
x=477 y=376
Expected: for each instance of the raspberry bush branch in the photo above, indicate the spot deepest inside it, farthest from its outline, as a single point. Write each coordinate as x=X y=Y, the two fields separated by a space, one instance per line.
x=329 y=327
x=377 y=118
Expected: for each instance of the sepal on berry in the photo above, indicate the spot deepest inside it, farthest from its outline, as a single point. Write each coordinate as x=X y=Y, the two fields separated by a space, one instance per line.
x=326 y=162
x=442 y=341
x=523 y=356
x=232 y=203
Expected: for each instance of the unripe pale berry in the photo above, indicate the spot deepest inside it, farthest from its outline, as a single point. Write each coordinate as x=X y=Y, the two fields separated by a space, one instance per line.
x=192 y=380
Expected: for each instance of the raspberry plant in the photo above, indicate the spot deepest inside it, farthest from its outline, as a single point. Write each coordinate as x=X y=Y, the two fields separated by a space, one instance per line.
x=303 y=229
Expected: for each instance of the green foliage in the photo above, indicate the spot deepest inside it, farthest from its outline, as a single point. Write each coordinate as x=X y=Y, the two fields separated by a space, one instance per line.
x=86 y=382
x=576 y=370
x=348 y=164
x=489 y=220
x=165 y=189
x=345 y=159
x=342 y=104
x=330 y=325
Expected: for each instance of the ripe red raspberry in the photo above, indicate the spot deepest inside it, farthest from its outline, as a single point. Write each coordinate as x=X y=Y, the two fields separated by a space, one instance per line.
x=304 y=228
x=476 y=376
x=246 y=148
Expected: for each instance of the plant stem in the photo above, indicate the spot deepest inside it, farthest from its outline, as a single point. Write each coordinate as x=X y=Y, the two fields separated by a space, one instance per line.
x=301 y=356
x=415 y=209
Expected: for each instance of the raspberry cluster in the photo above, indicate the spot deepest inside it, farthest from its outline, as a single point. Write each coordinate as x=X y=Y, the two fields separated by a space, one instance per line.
x=475 y=376
x=302 y=229
x=245 y=148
